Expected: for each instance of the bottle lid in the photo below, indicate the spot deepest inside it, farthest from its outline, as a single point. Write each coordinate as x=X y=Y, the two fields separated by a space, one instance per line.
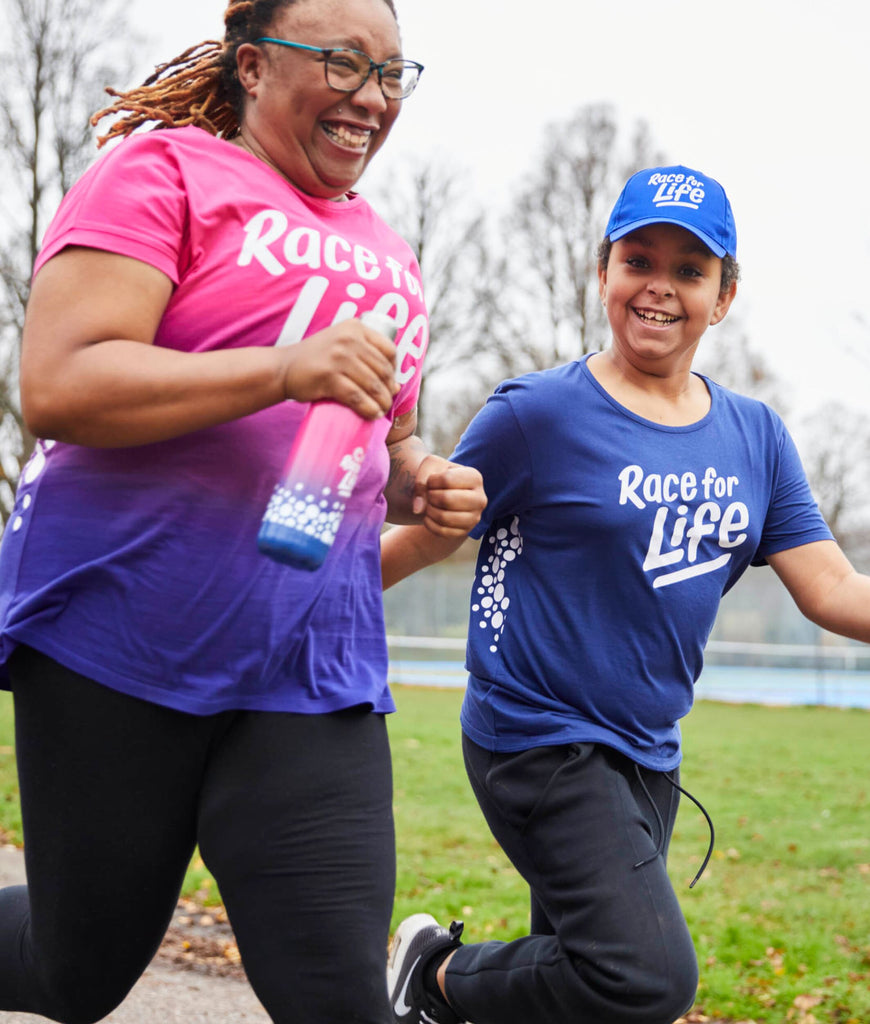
x=380 y=322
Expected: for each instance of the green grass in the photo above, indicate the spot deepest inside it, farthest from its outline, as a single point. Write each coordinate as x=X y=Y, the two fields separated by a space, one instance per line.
x=781 y=918
x=10 y=810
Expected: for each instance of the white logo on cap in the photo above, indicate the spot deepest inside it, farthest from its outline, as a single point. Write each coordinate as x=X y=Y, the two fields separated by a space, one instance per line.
x=677 y=190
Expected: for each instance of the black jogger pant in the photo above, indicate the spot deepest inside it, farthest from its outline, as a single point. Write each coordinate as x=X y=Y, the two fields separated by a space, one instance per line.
x=610 y=944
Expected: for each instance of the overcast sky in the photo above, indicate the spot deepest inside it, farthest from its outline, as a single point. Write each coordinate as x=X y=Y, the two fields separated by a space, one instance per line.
x=769 y=96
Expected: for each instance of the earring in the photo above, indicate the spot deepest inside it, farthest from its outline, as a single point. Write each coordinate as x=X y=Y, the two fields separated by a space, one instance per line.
x=338 y=111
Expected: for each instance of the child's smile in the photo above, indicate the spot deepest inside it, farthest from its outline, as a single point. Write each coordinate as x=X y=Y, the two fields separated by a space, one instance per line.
x=661 y=289
x=651 y=316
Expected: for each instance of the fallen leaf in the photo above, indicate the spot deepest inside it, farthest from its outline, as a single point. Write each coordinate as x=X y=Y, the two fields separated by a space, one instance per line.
x=806 y=1002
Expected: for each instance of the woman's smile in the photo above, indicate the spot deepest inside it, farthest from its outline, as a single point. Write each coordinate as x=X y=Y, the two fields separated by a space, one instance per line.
x=347 y=135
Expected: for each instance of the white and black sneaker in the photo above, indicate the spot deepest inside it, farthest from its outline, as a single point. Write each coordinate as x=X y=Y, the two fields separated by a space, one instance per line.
x=417 y=941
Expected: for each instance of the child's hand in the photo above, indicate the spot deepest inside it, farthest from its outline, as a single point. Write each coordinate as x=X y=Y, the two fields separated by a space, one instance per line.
x=448 y=498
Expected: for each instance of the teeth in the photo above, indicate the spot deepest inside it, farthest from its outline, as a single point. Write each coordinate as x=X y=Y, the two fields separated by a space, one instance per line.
x=658 y=318
x=359 y=139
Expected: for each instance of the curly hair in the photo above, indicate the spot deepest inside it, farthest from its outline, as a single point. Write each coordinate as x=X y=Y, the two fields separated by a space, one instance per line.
x=730 y=266
x=200 y=86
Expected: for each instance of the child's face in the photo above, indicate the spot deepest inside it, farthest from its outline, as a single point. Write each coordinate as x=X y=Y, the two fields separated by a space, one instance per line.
x=661 y=292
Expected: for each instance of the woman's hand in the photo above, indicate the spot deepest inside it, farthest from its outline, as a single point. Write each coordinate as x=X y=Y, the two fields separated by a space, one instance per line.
x=349 y=363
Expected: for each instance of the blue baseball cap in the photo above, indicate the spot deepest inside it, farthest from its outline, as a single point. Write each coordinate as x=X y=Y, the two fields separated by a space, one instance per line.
x=676 y=195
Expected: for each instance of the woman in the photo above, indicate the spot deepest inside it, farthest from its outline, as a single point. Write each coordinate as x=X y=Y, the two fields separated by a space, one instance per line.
x=173 y=687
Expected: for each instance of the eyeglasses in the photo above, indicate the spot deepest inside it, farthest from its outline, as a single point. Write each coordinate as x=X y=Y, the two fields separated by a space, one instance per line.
x=349 y=70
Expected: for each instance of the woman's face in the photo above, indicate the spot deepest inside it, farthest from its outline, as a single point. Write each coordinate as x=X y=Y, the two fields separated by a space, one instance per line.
x=320 y=139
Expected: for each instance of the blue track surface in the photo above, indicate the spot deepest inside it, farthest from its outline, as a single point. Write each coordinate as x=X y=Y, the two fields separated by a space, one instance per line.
x=733 y=684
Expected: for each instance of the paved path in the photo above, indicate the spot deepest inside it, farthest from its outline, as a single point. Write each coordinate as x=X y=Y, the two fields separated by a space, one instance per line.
x=165 y=993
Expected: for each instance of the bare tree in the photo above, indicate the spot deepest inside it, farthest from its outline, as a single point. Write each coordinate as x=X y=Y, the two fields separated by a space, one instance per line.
x=430 y=205
x=522 y=294
x=535 y=292
x=54 y=69
x=726 y=356
x=834 y=440
x=557 y=224
x=834 y=443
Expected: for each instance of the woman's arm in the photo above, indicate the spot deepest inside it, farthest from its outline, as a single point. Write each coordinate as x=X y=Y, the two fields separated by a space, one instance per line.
x=826 y=587
x=90 y=373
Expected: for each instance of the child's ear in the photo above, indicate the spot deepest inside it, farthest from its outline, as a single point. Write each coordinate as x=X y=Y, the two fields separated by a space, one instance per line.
x=602 y=282
x=723 y=304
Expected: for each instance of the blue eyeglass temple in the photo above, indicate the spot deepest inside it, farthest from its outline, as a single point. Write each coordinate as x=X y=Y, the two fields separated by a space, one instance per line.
x=331 y=49
x=294 y=46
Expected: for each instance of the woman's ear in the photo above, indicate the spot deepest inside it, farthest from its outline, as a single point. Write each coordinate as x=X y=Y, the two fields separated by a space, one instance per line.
x=602 y=284
x=249 y=64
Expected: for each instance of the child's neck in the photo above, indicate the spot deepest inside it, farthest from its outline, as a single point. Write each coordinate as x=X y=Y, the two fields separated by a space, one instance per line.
x=677 y=400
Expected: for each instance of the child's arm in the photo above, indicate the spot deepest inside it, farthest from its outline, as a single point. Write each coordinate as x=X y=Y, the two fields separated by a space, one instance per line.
x=406 y=549
x=826 y=587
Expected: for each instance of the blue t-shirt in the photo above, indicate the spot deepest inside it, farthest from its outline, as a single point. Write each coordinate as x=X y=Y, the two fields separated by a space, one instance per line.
x=607 y=544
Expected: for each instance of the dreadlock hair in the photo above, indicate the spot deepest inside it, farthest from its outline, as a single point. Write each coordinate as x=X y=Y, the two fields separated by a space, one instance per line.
x=201 y=86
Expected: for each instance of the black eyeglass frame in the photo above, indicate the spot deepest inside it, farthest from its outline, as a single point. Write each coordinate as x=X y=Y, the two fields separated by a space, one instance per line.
x=373 y=66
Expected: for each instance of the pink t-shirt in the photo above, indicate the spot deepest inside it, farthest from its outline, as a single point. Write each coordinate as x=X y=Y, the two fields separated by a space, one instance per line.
x=139 y=567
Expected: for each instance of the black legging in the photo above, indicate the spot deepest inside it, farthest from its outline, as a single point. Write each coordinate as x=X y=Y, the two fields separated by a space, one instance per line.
x=292 y=814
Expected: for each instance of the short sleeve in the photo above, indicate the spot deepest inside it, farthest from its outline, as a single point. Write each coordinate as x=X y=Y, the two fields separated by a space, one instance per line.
x=131 y=202
x=495 y=445
x=793 y=517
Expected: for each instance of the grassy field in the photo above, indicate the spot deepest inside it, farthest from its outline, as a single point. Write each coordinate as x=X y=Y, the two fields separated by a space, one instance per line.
x=781 y=918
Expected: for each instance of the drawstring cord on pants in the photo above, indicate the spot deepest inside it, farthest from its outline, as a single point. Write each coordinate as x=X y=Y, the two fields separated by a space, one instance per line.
x=661 y=824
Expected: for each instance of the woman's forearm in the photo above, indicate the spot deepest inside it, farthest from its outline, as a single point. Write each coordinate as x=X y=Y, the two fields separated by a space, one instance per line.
x=92 y=375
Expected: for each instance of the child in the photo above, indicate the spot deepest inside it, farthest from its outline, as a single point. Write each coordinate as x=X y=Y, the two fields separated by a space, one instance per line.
x=626 y=495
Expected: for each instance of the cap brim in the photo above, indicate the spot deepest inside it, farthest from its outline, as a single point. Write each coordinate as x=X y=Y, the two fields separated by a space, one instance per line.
x=626 y=229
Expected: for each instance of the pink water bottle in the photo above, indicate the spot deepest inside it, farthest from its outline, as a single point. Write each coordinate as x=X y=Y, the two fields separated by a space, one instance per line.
x=307 y=505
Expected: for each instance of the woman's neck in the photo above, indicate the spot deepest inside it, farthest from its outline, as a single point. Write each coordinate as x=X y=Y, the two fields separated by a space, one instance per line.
x=257 y=151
